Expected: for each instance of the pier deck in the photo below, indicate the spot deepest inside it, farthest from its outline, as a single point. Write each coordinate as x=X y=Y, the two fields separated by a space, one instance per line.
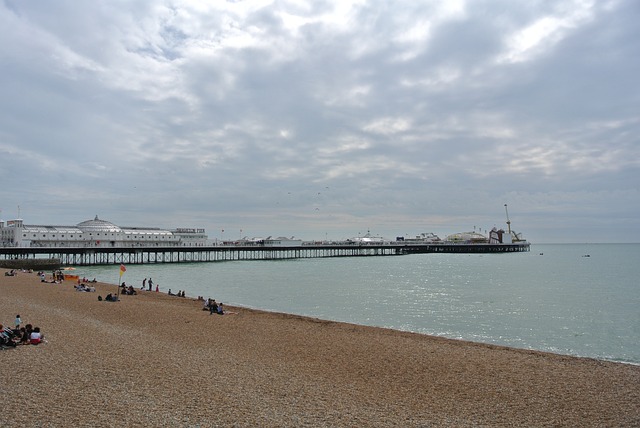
x=71 y=256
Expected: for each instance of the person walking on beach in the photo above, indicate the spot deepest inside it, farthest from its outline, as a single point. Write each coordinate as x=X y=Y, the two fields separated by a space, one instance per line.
x=144 y=284
x=150 y=284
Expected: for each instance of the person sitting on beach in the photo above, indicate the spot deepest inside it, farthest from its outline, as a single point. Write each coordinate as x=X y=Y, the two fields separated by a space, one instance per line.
x=21 y=334
x=26 y=334
x=110 y=298
x=36 y=337
x=220 y=311
x=7 y=337
x=213 y=307
x=170 y=293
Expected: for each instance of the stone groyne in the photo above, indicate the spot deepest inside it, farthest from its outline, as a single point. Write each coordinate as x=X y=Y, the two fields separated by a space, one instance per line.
x=33 y=264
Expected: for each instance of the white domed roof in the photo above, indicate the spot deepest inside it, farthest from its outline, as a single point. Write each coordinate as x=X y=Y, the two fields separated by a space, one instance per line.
x=467 y=237
x=97 y=225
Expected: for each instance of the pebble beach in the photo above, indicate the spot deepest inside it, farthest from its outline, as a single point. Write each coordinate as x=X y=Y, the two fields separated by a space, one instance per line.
x=160 y=361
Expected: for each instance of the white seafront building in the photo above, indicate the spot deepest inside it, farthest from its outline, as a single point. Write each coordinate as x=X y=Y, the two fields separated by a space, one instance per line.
x=96 y=233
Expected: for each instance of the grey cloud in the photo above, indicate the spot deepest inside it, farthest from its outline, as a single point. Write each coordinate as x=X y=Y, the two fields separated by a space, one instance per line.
x=396 y=116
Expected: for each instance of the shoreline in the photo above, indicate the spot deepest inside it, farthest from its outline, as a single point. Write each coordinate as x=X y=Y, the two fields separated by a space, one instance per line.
x=158 y=360
x=257 y=309
x=430 y=336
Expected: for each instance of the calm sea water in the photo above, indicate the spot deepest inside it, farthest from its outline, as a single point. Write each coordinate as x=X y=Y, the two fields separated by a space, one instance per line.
x=552 y=298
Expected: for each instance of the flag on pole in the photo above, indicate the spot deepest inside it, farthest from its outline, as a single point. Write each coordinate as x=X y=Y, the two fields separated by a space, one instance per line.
x=122 y=270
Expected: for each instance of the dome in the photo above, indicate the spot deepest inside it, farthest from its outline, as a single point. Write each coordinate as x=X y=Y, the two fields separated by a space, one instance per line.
x=97 y=225
x=472 y=237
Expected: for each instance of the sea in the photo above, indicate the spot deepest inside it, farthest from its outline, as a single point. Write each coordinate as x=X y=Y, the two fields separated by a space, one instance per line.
x=573 y=299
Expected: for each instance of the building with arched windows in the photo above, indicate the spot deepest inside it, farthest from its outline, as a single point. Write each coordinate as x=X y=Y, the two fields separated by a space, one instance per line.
x=96 y=233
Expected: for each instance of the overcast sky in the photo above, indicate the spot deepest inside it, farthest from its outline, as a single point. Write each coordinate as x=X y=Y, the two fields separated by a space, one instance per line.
x=324 y=119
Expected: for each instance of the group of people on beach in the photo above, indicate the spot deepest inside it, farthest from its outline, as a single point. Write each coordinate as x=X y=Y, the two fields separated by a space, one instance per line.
x=213 y=307
x=123 y=290
x=179 y=294
x=109 y=298
x=57 y=277
x=27 y=335
x=150 y=284
x=127 y=290
x=84 y=287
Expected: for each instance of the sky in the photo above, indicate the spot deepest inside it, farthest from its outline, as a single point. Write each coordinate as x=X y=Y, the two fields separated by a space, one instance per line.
x=324 y=119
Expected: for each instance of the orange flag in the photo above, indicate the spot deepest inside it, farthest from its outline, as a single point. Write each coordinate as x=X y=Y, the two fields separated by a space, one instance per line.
x=122 y=270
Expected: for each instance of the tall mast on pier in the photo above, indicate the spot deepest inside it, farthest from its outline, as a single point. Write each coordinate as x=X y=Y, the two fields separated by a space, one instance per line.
x=508 y=221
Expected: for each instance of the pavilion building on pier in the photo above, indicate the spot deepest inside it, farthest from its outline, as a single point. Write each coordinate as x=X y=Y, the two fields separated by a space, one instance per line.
x=97 y=233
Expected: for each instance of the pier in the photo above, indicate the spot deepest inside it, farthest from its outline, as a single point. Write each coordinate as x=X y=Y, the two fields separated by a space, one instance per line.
x=71 y=256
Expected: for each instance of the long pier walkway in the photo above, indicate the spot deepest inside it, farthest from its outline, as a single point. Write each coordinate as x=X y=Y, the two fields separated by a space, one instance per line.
x=72 y=256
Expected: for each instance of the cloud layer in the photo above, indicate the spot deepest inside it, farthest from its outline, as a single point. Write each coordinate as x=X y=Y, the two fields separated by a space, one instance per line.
x=324 y=119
